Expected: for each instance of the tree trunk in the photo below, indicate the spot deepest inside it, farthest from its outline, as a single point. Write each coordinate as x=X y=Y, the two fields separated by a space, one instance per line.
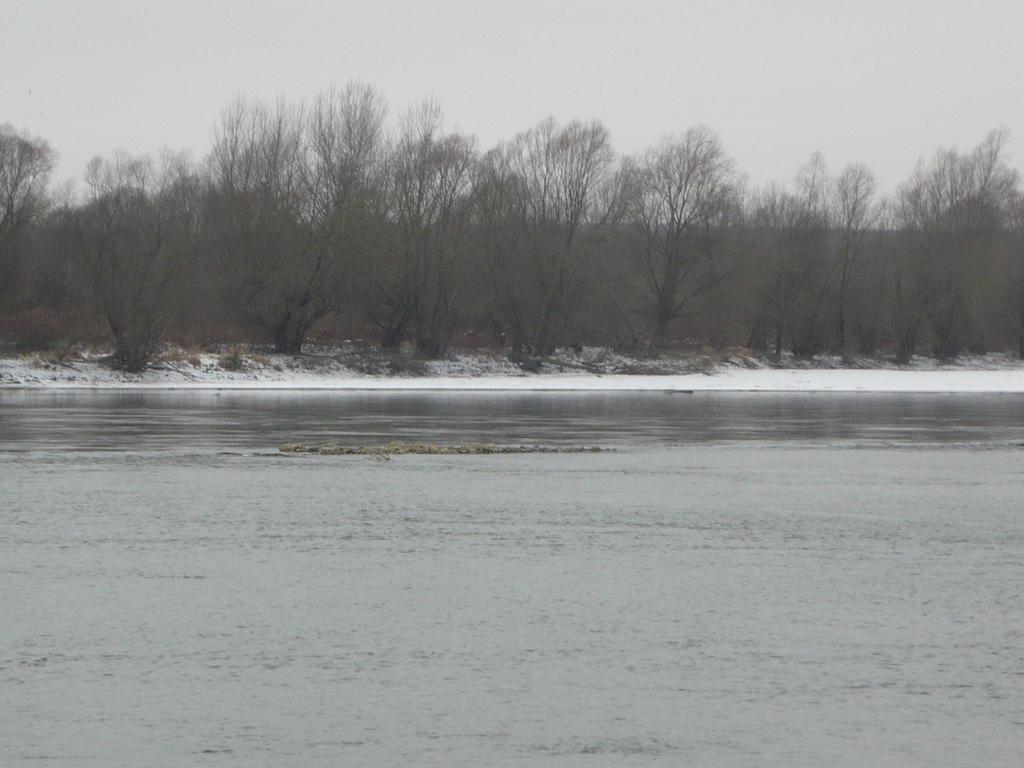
x=757 y=341
x=392 y=335
x=133 y=347
x=663 y=316
x=429 y=347
x=432 y=342
x=904 y=348
x=841 y=332
x=289 y=337
x=543 y=342
x=1021 y=338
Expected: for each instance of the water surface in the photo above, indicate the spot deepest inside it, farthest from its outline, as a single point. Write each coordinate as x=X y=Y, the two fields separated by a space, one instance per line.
x=746 y=580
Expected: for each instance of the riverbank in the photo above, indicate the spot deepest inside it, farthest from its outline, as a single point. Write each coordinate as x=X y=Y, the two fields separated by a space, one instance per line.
x=592 y=370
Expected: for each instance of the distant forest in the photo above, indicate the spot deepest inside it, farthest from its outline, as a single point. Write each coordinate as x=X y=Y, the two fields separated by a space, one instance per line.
x=315 y=222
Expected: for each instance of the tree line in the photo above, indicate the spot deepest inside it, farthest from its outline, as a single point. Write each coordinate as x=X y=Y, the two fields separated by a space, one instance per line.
x=317 y=221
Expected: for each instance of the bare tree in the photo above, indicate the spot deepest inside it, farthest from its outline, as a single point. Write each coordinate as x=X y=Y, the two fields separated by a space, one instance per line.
x=773 y=220
x=547 y=198
x=297 y=193
x=136 y=233
x=431 y=208
x=683 y=193
x=25 y=165
x=1016 y=270
x=853 y=214
x=311 y=213
x=791 y=240
x=952 y=210
x=812 y=241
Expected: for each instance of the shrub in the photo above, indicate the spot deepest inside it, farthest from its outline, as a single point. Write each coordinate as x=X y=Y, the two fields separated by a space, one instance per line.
x=231 y=361
x=35 y=329
x=407 y=366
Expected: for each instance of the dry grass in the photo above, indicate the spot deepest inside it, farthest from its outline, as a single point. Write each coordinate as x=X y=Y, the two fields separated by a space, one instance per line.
x=231 y=361
x=181 y=356
x=399 y=448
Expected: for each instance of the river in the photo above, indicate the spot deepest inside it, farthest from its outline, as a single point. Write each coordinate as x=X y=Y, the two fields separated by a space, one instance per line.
x=740 y=580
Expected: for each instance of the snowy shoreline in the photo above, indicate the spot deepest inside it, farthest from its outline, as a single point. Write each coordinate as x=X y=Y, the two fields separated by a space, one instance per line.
x=474 y=373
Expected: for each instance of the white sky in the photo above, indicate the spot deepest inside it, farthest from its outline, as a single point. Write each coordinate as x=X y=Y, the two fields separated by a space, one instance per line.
x=866 y=80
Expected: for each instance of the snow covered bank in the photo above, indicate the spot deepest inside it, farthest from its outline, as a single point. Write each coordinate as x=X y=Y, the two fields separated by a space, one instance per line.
x=991 y=374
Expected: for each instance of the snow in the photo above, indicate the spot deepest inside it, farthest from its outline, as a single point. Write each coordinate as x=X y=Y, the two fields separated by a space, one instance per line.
x=982 y=374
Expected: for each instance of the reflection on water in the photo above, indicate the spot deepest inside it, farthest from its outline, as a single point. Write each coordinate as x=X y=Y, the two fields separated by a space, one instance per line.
x=732 y=587
x=257 y=420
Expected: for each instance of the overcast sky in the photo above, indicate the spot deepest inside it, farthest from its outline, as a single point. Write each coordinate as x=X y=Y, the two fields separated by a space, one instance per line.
x=882 y=82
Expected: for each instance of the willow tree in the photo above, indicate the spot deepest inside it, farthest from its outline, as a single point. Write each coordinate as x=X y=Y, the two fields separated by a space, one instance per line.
x=545 y=202
x=136 y=235
x=683 y=195
x=420 y=274
x=953 y=212
x=853 y=213
x=1016 y=220
x=297 y=199
x=25 y=165
x=791 y=237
